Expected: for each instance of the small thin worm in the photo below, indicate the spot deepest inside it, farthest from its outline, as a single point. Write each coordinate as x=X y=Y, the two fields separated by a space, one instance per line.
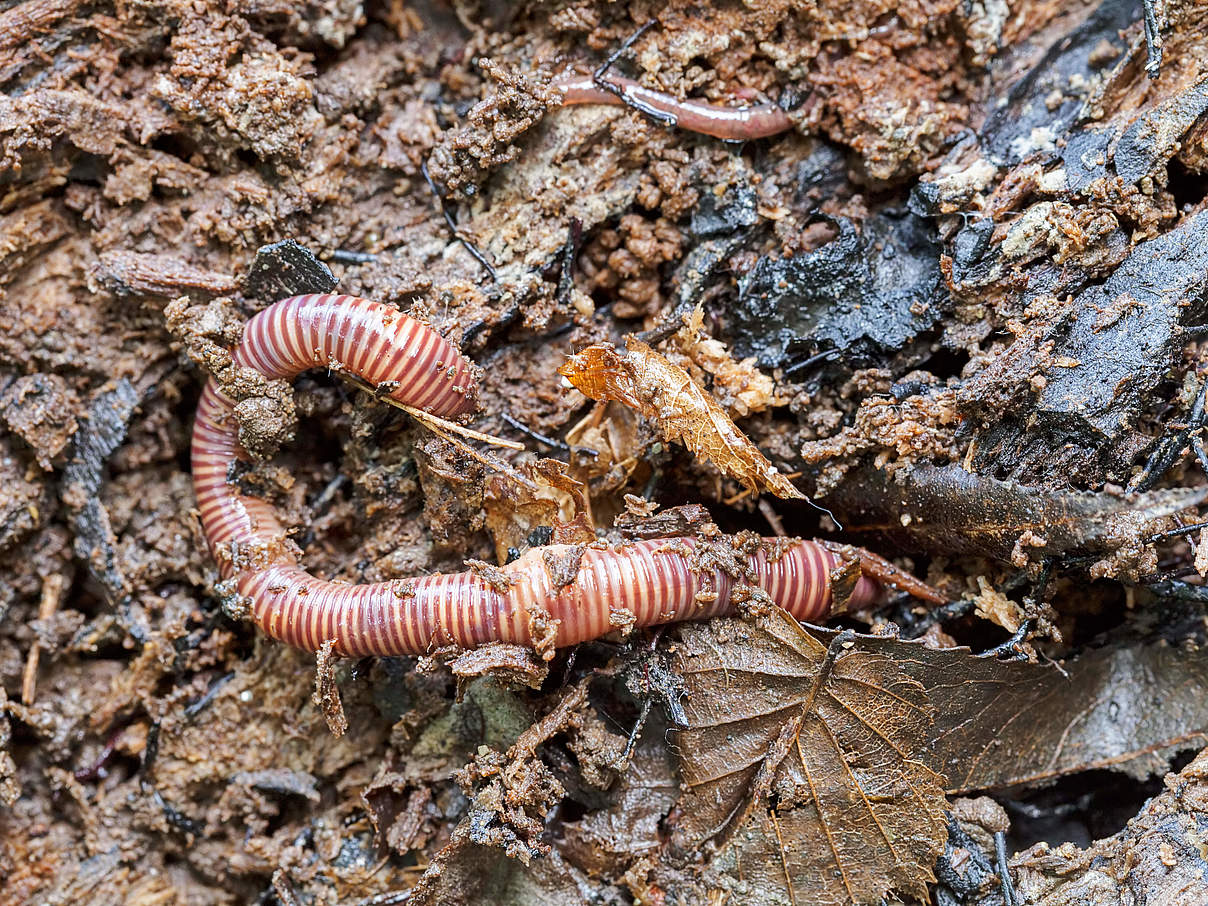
x=729 y=123
x=541 y=599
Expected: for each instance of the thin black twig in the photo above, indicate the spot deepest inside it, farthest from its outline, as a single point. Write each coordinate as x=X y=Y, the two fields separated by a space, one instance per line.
x=669 y=326
x=209 y=695
x=1197 y=445
x=1004 y=869
x=566 y=279
x=1197 y=332
x=812 y=360
x=1171 y=447
x=344 y=256
x=632 y=742
x=452 y=225
x=943 y=613
x=546 y=439
x=1167 y=587
x=534 y=434
x=1174 y=533
x=1010 y=648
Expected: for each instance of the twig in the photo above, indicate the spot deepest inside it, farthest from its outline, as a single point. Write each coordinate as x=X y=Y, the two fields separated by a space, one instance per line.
x=1004 y=869
x=566 y=279
x=52 y=595
x=535 y=435
x=429 y=419
x=773 y=518
x=452 y=225
x=1174 y=533
x=941 y=614
x=1197 y=332
x=283 y=886
x=486 y=459
x=344 y=256
x=817 y=357
x=1170 y=447
x=389 y=898
x=1011 y=645
x=547 y=440
x=448 y=430
x=632 y=742
x=436 y=421
x=209 y=695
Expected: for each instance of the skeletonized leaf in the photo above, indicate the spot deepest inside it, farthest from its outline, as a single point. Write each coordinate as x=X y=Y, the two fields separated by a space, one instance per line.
x=684 y=412
x=801 y=765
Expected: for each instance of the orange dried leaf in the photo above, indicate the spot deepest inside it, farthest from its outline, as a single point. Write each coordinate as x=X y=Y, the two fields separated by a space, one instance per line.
x=683 y=411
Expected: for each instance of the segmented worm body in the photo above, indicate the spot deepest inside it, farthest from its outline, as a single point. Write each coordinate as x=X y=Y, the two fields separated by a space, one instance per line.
x=556 y=595
x=720 y=121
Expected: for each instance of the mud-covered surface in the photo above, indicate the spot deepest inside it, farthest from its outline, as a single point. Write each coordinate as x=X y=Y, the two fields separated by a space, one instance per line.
x=962 y=304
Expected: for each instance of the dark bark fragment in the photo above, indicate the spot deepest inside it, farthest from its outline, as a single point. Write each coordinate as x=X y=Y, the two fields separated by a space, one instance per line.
x=1092 y=369
x=868 y=291
x=284 y=269
x=95 y=544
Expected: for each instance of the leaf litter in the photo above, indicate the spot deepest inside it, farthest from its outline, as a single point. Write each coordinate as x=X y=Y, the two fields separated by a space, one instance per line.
x=648 y=382
x=815 y=763
x=801 y=763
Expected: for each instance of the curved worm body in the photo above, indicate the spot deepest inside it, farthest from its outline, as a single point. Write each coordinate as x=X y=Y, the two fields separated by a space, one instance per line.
x=372 y=341
x=729 y=123
x=556 y=595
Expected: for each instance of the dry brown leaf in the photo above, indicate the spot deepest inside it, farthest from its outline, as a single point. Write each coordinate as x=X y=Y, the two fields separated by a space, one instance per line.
x=550 y=500
x=1004 y=724
x=801 y=764
x=684 y=412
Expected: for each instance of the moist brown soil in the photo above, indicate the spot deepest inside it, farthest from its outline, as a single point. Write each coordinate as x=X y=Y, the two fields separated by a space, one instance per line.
x=981 y=249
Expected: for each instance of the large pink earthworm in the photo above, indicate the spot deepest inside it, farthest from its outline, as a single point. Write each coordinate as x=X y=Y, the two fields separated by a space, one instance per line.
x=556 y=595
x=730 y=123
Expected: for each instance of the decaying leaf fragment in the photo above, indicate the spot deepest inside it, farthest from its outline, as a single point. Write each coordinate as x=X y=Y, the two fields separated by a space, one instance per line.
x=684 y=412
x=801 y=765
x=1001 y=724
x=550 y=506
x=739 y=386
